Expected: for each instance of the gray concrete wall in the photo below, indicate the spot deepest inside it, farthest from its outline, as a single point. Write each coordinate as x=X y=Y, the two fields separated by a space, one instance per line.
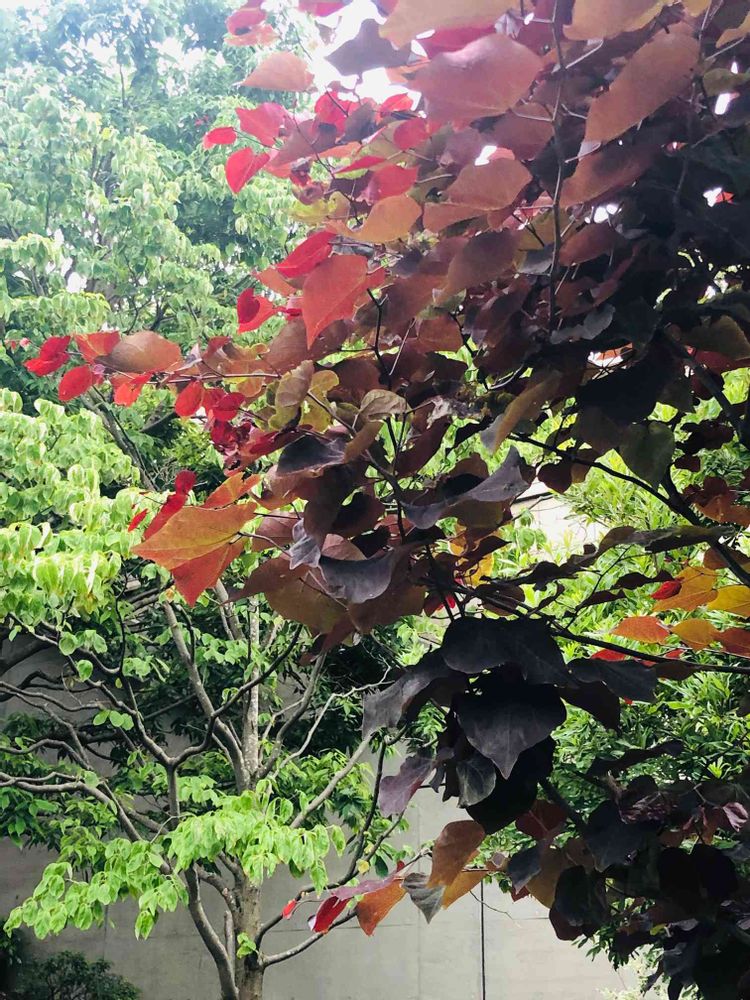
x=405 y=959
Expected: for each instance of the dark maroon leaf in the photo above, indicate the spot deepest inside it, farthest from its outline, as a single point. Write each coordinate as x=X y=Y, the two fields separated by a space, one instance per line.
x=476 y=778
x=367 y=50
x=580 y=898
x=512 y=797
x=428 y=899
x=523 y=866
x=626 y=678
x=503 y=486
x=396 y=791
x=308 y=454
x=358 y=580
x=511 y=719
x=475 y=644
x=610 y=840
x=385 y=709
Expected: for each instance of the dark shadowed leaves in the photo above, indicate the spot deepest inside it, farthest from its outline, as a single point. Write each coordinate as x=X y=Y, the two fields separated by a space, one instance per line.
x=580 y=898
x=503 y=486
x=501 y=724
x=476 y=778
x=625 y=678
x=385 y=709
x=472 y=645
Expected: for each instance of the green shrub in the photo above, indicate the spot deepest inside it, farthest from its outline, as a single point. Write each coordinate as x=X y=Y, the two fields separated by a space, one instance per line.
x=68 y=976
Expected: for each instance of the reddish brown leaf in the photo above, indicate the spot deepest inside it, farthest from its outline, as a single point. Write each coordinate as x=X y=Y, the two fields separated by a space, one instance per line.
x=453 y=849
x=189 y=400
x=656 y=73
x=389 y=219
x=194 y=532
x=375 y=906
x=332 y=291
x=485 y=78
x=610 y=169
x=483 y=258
x=143 y=351
x=490 y=187
x=594 y=19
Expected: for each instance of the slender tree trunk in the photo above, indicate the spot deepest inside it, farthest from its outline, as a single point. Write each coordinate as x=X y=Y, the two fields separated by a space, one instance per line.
x=249 y=976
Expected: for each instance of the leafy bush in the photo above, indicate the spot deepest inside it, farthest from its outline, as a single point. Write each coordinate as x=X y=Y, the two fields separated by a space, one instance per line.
x=68 y=976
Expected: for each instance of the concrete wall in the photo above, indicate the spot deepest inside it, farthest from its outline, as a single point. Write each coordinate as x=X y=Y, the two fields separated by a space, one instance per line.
x=405 y=959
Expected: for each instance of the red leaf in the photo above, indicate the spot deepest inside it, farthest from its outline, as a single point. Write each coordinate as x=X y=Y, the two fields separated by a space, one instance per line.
x=137 y=518
x=329 y=909
x=171 y=506
x=244 y=19
x=184 y=481
x=332 y=291
x=390 y=181
x=264 y=122
x=411 y=133
x=668 y=589
x=242 y=166
x=193 y=577
x=289 y=909
x=225 y=406
x=225 y=135
x=53 y=354
x=253 y=310
x=607 y=654
x=75 y=382
x=363 y=163
x=311 y=252
x=128 y=388
x=96 y=345
x=189 y=400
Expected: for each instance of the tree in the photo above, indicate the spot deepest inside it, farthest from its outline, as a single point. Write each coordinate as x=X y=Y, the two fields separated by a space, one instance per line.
x=159 y=751
x=534 y=270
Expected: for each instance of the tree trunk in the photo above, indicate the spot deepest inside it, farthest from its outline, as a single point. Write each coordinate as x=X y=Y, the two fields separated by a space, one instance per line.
x=252 y=987
x=249 y=976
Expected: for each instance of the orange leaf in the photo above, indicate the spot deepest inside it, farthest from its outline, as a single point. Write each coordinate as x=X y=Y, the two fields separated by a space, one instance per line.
x=193 y=577
x=645 y=628
x=594 y=19
x=412 y=17
x=696 y=632
x=464 y=882
x=657 y=72
x=735 y=599
x=280 y=71
x=231 y=490
x=455 y=846
x=486 y=77
x=332 y=290
x=143 y=351
x=389 y=219
x=375 y=906
x=697 y=589
x=194 y=532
